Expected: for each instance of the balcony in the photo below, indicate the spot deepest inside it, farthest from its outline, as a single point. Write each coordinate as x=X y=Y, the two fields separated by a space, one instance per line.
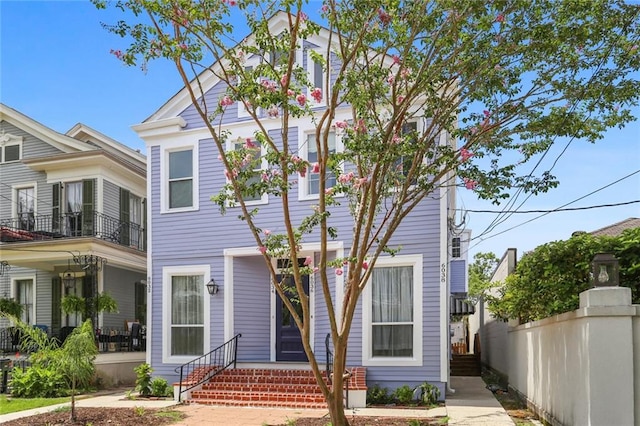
x=30 y=227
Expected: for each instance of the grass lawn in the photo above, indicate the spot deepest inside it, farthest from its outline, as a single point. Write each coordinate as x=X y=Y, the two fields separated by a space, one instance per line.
x=11 y=405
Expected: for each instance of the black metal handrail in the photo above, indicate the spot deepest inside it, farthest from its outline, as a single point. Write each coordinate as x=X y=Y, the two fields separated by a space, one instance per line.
x=203 y=368
x=329 y=357
x=329 y=367
x=72 y=225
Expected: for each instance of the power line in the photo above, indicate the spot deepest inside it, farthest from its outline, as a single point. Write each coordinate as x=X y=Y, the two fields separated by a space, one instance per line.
x=554 y=210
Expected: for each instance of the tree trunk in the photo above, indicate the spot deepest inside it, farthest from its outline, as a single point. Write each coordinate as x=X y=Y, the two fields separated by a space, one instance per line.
x=73 y=402
x=336 y=407
x=336 y=401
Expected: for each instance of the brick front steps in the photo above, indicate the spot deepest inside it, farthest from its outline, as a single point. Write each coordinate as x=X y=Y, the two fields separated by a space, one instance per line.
x=270 y=388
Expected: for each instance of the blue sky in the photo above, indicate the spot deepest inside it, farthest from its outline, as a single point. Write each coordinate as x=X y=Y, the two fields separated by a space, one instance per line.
x=55 y=67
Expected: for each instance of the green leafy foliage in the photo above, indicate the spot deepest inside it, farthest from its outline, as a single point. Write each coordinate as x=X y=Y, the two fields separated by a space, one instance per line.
x=403 y=394
x=480 y=273
x=143 y=379
x=38 y=382
x=377 y=395
x=160 y=387
x=10 y=306
x=430 y=393
x=548 y=280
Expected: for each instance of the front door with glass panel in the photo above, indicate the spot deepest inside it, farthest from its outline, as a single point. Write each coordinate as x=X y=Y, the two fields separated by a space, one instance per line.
x=288 y=338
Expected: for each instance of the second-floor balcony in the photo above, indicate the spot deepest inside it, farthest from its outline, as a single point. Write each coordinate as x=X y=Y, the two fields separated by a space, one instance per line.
x=30 y=227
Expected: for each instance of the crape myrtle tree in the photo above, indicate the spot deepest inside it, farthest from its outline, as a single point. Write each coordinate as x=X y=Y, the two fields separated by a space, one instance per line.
x=492 y=84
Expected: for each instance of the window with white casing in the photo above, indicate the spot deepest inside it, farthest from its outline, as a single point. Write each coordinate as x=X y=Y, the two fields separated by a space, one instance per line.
x=392 y=313
x=317 y=76
x=310 y=183
x=10 y=148
x=24 y=294
x=186 y=312
x=255 y=160
x=180 y=183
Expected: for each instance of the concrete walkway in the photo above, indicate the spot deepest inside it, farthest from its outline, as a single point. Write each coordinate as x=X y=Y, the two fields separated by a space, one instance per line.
x=472 y=404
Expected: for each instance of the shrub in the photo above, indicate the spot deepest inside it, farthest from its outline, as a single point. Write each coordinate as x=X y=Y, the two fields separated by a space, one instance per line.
x=430 y=393
x=160 y=387
x=378 y=395
x=37 y=382
x=143 y=379
x=403 y=394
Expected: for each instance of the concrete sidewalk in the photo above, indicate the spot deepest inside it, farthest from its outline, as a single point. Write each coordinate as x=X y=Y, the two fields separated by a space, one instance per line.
x=472 y=404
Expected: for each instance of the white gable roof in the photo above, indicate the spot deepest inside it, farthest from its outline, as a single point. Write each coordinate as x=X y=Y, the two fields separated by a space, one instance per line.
x=207 y=79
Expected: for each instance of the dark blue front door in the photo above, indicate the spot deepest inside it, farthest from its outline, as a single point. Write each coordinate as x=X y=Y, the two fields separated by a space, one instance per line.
x=288 y=339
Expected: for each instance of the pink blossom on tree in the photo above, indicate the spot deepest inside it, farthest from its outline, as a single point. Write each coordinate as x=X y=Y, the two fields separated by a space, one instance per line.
x=316 y=94
x=469 y=183
x=308 y=260
x=302 y=99
x=465 y=154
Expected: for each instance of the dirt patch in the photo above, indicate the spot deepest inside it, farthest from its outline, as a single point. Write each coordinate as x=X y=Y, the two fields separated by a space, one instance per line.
x=102 y=417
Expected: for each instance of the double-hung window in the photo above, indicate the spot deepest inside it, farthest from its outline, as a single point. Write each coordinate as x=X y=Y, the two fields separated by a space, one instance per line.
x=254 y=166
x=455 y=247
x=392 y=315
x=186 y=310
x=24 y=295
x=180 y=171
x=310 y=184
x=317 y=76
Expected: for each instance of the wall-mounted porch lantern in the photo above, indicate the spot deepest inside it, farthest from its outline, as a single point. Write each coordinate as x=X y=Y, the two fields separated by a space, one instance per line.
x=212 y=287
x=605 y=270
x=4 y=267
x=69 y=277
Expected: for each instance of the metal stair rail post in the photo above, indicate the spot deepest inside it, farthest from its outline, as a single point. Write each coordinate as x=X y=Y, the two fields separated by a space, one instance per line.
x=203 y=368
x=329 y=368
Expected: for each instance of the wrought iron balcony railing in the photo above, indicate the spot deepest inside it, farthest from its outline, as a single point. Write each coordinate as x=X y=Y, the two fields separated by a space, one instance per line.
x=30 y=227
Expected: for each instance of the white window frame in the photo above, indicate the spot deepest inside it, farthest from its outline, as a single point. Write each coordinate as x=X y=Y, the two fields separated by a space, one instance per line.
x=10 y=140
x=312 y=76
x=167 y=273
x=456 y=244
x=414 y=260
x=164 y=176
x=14 y=293
x=264 y=199
x=303 y=149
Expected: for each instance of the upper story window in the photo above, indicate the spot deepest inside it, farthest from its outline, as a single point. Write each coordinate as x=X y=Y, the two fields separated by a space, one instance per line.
x=455 y=247
x=179 y=172
x=10 y=151
x=316 y=71
x=310 y=184
x=404 y=163
x=255 y=165
x=26 y=207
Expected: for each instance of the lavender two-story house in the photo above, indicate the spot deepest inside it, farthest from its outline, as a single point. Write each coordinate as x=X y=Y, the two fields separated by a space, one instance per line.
x=191 y=243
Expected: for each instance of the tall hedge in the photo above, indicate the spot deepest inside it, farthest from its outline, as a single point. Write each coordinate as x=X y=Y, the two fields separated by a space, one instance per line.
x=548 y=280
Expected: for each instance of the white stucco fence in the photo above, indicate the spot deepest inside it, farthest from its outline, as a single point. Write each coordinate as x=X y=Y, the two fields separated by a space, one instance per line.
x=582 y=367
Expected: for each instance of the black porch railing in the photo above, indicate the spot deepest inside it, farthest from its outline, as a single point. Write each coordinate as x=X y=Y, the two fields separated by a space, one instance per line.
x=329 y=367
x=207 y=366
x=72 y=225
